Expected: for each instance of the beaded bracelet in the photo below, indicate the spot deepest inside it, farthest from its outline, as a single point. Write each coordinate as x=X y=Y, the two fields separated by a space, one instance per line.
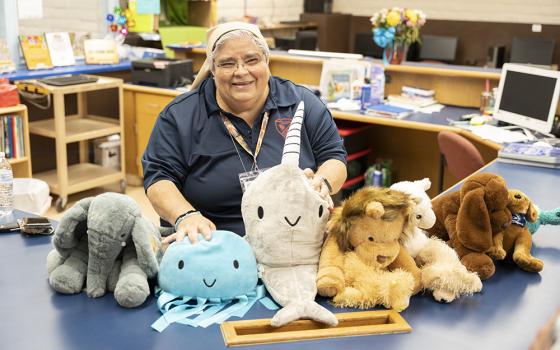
x=185 y=215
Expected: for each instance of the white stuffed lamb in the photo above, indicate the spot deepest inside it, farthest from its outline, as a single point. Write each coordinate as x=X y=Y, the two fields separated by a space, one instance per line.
x=442 y=271
x=285 y=221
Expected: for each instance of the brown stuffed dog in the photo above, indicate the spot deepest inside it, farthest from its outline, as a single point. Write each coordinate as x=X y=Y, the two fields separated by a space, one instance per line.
x=517 y=238
x=362 y=263
x=473 y=219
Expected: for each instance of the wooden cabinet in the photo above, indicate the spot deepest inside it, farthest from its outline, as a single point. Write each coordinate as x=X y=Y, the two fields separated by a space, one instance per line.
x=333 y=30
x=21 y=166
x=142 y=107
x=148 y=107
x=81 y=127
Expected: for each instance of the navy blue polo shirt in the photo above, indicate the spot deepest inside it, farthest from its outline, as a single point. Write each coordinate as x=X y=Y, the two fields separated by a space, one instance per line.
x=191 y=147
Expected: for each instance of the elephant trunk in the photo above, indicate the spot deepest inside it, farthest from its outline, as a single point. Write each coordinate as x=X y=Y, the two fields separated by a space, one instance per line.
x=103 y=251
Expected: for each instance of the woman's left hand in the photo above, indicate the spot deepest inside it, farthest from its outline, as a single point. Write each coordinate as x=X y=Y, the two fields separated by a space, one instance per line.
x=319 y=185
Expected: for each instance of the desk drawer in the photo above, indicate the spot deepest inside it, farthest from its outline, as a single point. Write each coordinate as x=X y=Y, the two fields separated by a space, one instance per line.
x=151 y=104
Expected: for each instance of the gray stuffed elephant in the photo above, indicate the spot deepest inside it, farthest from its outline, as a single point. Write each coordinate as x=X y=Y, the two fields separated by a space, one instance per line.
x=105 y=242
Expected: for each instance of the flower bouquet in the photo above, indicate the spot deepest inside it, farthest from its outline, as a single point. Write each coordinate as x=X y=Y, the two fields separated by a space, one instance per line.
x=396 y=28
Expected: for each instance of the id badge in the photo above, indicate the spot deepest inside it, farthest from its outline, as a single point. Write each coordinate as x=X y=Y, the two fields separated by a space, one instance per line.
x=246 y=178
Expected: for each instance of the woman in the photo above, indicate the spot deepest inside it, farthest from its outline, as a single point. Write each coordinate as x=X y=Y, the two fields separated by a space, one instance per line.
x=232 y=124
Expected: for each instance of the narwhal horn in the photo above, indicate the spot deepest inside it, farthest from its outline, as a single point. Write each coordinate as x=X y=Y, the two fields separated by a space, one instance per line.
x=290 y=155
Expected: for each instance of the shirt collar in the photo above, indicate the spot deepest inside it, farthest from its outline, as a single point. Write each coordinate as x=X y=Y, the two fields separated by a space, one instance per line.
x=276 y=97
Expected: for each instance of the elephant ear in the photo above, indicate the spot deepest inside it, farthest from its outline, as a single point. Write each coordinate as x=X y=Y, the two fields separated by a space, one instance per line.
x=72 y=227
x=473 y=222
x=146 y=239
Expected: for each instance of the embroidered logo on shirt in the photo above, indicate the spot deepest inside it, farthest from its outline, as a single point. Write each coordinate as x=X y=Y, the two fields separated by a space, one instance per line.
x=518 y=219
x=282 y=125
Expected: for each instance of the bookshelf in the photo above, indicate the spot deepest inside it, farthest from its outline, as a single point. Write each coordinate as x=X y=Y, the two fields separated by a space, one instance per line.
x=21 y=166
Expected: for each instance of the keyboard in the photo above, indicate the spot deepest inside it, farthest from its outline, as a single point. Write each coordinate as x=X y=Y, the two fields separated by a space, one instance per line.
x=68 y=80
x=498 y=135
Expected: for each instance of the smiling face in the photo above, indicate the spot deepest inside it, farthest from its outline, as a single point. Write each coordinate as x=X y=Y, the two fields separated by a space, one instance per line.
x=223 y=267
x=241 y=74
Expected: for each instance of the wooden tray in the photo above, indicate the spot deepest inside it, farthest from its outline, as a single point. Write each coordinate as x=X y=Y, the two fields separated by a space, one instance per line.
x=252 y=332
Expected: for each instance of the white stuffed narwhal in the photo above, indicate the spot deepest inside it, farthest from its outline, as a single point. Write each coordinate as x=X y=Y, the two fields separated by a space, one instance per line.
x=285 y=221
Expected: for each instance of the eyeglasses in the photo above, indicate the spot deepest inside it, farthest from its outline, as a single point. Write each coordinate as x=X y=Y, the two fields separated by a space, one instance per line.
x=231 y=65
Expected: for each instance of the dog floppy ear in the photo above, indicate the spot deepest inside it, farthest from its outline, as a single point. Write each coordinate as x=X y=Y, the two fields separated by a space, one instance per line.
x=338 y=227
x=532 y=213
x=473 y=222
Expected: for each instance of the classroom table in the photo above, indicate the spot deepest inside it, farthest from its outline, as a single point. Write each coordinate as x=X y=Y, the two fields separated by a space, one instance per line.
x=507 y=314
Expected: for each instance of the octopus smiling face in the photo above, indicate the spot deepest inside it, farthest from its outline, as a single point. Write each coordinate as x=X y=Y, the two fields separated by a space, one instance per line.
x=224 y=267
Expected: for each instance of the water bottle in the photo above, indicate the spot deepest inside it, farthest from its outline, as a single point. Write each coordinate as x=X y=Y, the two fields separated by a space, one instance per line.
x=356 y=90
x=366 y=96
x=377 y=85
x=6 y=187
x=377 y=178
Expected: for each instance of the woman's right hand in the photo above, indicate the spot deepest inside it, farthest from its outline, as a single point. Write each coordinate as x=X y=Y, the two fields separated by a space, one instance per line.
x=191 y=227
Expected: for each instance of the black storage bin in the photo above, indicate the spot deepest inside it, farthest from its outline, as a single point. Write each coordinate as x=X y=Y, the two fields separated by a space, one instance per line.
x=162 y=72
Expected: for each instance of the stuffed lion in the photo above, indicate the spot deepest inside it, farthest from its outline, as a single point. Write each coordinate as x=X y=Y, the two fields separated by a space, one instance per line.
x=362 y=263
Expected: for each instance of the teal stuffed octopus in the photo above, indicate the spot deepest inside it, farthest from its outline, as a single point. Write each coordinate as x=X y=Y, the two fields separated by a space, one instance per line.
x=549 y=217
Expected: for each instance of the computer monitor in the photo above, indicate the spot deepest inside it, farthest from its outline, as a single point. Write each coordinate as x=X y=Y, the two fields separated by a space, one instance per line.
x=306 y=40
x=527 y=97
x=439 y=48
x=533 y=51
x=364 y=44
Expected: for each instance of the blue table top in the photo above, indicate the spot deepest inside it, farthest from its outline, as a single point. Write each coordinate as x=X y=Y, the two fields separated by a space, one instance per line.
x=505 y=315
x=76 y=69
x=444 y=117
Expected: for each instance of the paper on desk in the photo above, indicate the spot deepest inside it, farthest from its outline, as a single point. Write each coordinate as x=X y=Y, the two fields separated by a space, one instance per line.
x=435 y=108
x=345 y=104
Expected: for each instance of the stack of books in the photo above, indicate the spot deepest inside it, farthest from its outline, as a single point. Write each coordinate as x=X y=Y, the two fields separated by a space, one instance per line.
x=388 y=111
x=412 y=98
x=11 y=136
x=535 y=154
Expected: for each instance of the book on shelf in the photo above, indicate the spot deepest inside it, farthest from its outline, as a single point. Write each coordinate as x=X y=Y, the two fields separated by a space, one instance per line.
x=11 y=136
x=534 y=153
x=77 y=39
x=60 y=49
x=101 y=51
x=35 y=51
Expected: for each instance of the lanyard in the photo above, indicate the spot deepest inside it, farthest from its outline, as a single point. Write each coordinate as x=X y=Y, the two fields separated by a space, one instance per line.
x=232 y=130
